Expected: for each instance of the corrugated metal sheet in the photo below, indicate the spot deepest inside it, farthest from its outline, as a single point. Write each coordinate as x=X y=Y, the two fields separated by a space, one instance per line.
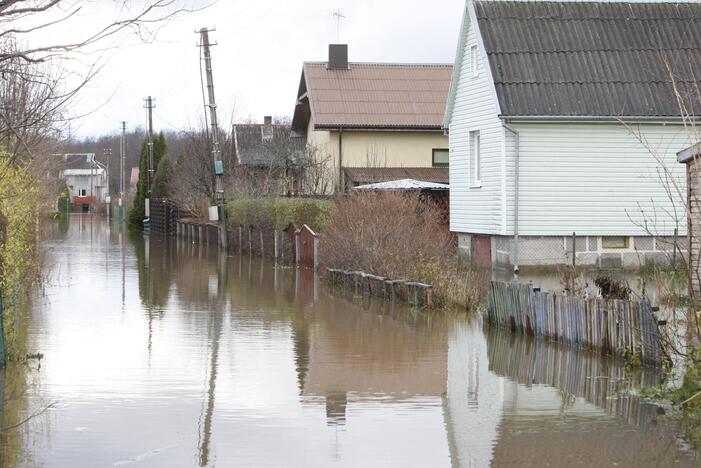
x=376 y=95
x=593 y=58
x=372 y=175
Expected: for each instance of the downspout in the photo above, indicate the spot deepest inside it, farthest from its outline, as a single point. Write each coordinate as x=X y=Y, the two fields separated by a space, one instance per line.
x=515 y=252
x=340 y=160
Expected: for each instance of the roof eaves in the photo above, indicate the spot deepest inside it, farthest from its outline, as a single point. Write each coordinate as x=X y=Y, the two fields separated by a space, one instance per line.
x=689 y=153
x=339 y=127
x=598 y=118
x=310 y=95
x=462 y=42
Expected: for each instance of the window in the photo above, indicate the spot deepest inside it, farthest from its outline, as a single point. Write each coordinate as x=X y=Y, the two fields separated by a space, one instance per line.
x=441 y=157
x=475 y=158
x=474 y=61
x=614 y=242
x=82 y=192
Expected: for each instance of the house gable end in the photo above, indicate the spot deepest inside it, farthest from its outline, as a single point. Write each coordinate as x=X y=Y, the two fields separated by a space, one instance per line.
x=469 y=21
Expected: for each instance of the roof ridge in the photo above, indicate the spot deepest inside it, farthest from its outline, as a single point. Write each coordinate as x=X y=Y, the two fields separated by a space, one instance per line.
x=389 y=64
x=569 y=51
x=594 y=82
x=590 y=2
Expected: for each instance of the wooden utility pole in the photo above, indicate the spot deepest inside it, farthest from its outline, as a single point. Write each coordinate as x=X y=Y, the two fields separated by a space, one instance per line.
x=214 y=136
x=151 y=169
x=122 y=156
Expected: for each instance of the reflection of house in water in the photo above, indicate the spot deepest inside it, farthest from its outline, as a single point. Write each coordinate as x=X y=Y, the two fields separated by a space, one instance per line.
x=473 y=405
x=370 y=355
x=523 y=403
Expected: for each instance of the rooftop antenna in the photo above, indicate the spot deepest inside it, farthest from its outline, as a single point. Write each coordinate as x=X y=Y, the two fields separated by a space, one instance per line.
x=338 y=14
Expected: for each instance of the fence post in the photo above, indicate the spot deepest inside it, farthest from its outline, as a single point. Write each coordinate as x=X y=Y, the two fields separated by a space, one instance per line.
x=674 y=252
x=297 y=256
x=574 y=250
x=316 y=252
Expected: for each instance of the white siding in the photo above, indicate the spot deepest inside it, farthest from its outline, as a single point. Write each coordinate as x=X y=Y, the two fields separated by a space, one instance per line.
x=472 y=209
x=592 y=178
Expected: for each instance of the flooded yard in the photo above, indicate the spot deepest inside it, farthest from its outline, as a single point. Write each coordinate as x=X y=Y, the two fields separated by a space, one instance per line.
x=160 y=353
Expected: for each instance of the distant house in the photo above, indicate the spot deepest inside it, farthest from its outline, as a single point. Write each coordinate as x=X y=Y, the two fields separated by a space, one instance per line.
x=133 y=178
x=563 y=118
x=269 y=158
x=87 y=179
x=372 y=116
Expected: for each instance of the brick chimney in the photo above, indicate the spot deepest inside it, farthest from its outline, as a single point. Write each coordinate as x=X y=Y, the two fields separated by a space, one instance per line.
x=338 y=57
x=267 y=127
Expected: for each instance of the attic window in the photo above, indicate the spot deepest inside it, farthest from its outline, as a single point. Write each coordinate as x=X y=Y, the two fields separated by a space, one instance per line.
x=474 y=61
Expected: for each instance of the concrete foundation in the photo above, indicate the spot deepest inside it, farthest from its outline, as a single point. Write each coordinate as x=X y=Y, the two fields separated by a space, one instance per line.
x=536 y=251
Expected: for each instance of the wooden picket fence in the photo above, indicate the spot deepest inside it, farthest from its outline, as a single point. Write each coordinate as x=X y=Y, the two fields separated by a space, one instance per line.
x=624 y=328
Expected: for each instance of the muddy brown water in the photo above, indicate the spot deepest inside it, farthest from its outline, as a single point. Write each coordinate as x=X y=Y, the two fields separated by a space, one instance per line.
x=166 y=354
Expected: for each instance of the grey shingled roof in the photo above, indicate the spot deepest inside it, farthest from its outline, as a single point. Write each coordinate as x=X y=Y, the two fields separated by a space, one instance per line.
x=252 y=150
x=592 y=58
x=80 y=161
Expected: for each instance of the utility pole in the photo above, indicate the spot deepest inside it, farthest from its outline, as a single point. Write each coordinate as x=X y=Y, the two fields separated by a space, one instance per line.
x=122 y=156
x=149 y=106
x=214 y=136
x=106 y=187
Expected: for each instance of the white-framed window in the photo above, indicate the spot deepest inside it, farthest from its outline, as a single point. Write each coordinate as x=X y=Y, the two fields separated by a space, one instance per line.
x=474 y=61
x=441 y=157
x=475 y=159
x=82 y=192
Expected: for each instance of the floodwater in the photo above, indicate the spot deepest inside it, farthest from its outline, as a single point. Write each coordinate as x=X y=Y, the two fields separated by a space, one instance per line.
x=166 y=354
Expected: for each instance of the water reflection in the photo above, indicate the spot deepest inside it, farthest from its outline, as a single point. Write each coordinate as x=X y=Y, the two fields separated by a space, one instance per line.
x=165 y=353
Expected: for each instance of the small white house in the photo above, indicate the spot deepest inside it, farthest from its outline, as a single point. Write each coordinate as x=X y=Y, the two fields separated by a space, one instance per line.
x=87 y=179
x=563 y=118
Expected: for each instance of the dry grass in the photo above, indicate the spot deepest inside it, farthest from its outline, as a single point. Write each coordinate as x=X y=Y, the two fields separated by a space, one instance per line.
x=399 y=236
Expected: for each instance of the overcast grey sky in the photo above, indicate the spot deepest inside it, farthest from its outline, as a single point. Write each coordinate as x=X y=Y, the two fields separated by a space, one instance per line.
x=257 y=62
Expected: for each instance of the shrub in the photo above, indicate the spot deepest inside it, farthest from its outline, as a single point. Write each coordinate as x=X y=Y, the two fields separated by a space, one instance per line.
x=279 y=212
x=398 y=236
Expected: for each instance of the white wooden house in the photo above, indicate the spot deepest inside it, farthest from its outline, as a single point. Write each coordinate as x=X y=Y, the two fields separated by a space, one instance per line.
x=86 y=178
x=562 y=119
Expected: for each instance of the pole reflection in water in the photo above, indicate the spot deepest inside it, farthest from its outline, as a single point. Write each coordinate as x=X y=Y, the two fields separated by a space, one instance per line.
x=190 y=358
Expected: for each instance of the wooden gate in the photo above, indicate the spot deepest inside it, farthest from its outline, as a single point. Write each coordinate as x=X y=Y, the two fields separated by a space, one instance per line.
x=481 y=251
x=307 y=247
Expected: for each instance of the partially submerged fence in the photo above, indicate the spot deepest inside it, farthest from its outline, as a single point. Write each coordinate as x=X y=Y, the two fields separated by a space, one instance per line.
x=197 y=232
x=163 y=214
x=363 y=284
x=625 y=328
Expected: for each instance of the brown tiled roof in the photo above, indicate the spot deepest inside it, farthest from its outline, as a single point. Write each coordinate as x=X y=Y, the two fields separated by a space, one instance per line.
x=373 y=95
x=587 y=59
x=372 y=175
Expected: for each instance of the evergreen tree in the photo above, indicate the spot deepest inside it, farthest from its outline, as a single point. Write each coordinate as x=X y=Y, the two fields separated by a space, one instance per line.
x=137 y=212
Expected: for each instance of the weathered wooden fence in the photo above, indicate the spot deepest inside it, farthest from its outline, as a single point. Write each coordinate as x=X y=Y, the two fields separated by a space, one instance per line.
x=625 y=328
x=363 y=284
